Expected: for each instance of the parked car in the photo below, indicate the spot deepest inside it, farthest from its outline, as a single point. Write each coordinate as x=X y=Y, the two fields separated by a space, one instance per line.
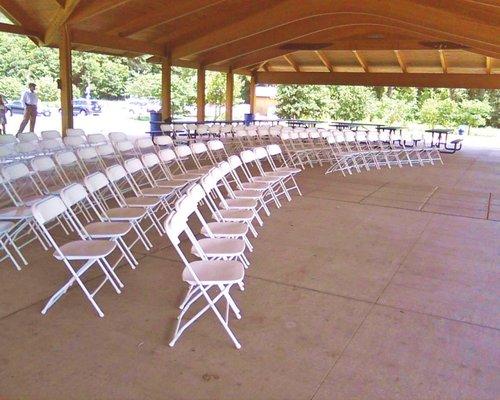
x=85 y=107
x=138 y=107
x=17 y=107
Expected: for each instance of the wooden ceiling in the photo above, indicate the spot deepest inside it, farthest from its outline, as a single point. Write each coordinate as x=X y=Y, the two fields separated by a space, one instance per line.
x=457 y=42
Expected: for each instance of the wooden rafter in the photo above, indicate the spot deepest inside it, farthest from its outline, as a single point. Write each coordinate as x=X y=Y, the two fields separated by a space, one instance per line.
x=62 y=15
x=92 y=8
x=18 y=30
x=444 y=63
x=115 y=42
x=476 y=81
x=324 y=59
x=488 y=65
x=292 y=62
x=177 y=10
x=17 y=15
x=361 y=61
x=264 y=66
x=401 y=61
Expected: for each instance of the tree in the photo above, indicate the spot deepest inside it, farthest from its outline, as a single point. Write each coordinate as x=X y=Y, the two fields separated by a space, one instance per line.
x=472 y=113
x=354 y=103
x=47 y=89
x=11 y=88
x=147 y=86
x=435 y=111
x=216 y=91
x=302 y=102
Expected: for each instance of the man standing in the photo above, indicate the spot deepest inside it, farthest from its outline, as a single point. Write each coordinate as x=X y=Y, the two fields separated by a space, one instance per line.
x=30 y=101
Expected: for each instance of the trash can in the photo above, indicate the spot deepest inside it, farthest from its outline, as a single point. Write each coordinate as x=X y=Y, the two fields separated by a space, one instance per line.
x=154 y=123
x=248 y=118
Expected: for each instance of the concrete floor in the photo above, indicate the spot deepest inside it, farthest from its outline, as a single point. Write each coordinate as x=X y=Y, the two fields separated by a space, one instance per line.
x=381 y=285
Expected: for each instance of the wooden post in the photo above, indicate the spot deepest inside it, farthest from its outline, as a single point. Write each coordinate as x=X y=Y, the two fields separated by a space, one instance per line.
x=166 y=88
x=65 y=75
x=229 y=95
x=252 y=94
x=200 y=98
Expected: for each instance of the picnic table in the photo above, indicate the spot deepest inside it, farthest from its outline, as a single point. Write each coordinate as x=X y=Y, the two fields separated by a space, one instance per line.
x=441 y=141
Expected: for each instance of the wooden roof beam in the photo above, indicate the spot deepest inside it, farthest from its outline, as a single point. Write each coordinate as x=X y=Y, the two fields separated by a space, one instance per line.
x=179 y=9
x=19 y=30
x=101 y=40
x=469 y=81
x=324 y=59
x=17 y=15
x=292 y=62
x=62 y=15
x=401 y=61
x=444 y=63
x=361 y=61
x=91 y=8
x=488 y=65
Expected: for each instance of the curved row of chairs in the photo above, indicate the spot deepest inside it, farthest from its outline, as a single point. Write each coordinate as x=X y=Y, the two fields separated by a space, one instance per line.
x=108 y=204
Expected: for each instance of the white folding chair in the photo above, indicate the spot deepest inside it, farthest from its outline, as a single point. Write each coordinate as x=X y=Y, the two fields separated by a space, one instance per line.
x=27 y=137
x=204 y=275
x=75 y=132
x=51 y=135
x=88 y=252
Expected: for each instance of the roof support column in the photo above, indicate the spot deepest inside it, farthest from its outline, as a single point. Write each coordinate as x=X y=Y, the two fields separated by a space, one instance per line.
x=253 y=81
x=166 y=88
x=229 y=95
x=65 y=75
x=200 y=98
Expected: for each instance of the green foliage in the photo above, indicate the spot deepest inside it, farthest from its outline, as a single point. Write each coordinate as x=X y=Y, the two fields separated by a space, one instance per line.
x=435 y=111
x=147 y=86
x=11 y=88
x=183 y=90
x=472 y=112
x=353 y=103
x=302 y=102
x=47 y=89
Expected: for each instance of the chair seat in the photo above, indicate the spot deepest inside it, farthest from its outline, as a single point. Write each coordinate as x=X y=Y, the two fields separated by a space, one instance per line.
x=33 y=199
x=125 y=213
x=216 y=247
x=141 y=201
x=211 y=271
x=107 y=229
x=174 y=183
x=157 y=191
x=85 y=249
x=6 y=226
x=248 y=194
x=242 y=203
x=198 y=172
x=15 y=213
x=237 y=215
x=268 y=178
x=288 y=169
x=186 y=177
x=255 y=185
x=225 y=229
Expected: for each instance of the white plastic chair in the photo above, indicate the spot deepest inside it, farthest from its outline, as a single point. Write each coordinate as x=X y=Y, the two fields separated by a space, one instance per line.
x=204 y=275
x=88 y=252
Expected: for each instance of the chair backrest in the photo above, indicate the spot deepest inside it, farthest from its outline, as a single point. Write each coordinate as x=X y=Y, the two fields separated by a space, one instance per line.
x=182 y=150
x=163 y=140
x=75 y=132
x=66 y=158
x=7 y=139
x=48 y=209
x=124 y=146
x=6 y=151
x=116 y=172
x=73 y=194
x=27 y=137
x=50 y=135
x=105 y=149
x=150 y=160
x=199 y=148
x=247 y=156
x=167 y=155
x=117 y=137
x=75 y=140
x=95 y=182
x=260 y=153
x=87 y=154
x=273 y=149
x=215 y=145
x=42 y=164
x=50 y=144
x=96 y=138
x=14 y=171
x=144 y=143
x=234 y=161
x=133 y=165
x=174 y=225
x=165 y=128
x=27 y=147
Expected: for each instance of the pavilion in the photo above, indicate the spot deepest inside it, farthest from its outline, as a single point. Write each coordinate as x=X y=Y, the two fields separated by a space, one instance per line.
x=381 y=284
x=421 y=43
